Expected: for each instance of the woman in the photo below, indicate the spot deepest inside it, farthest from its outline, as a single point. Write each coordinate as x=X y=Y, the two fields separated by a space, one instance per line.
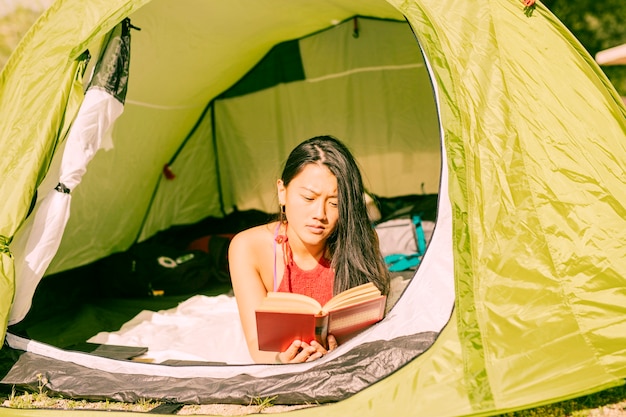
x=322 y=244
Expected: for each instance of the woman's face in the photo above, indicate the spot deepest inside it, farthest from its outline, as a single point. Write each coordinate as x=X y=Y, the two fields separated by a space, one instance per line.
x=310 y=202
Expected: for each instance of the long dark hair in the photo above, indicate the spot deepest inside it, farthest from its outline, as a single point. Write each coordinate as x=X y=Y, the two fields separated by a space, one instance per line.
x=353 y=244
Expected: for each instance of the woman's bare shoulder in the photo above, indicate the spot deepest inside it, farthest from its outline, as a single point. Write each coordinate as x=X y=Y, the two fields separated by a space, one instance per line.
x=253 y=237
x=250 y=255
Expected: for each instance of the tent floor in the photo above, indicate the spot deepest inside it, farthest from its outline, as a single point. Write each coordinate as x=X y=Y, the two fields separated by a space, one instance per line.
x=72 y=325
x=70 y=307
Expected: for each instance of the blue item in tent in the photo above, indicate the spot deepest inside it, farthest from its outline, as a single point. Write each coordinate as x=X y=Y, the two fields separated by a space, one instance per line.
x=397 y=262
x=421 y=238
x=402 y=262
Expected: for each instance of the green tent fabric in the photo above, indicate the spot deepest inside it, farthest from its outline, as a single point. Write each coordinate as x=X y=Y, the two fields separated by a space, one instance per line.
x=533 y=140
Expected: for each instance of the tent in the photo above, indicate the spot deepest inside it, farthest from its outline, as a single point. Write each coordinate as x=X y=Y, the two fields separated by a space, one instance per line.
x=520 y=298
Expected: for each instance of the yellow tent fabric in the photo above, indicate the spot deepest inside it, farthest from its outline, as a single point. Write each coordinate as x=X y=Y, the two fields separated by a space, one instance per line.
x=536 y=155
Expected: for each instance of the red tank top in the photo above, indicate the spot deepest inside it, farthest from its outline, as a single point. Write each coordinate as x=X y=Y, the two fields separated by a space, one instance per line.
x=316 y=283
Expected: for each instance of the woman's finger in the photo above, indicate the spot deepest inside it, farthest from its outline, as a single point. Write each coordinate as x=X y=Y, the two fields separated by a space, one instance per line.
x=314 y=356
x=332 y=342
x=290 y=353
x=318 y=347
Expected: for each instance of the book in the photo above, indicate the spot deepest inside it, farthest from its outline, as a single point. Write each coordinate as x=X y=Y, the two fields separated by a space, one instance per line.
x=284 y=317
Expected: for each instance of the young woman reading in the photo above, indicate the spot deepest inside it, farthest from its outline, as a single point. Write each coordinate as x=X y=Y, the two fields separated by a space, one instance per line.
x=322 y=244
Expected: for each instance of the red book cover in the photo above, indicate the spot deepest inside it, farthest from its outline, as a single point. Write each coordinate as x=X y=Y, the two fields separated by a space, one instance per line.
x=287 y=317
x=344 y=323
x=276 y=330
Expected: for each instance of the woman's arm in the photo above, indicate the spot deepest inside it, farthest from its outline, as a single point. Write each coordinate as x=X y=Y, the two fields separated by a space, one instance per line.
x=249 y=289
x=245 y=265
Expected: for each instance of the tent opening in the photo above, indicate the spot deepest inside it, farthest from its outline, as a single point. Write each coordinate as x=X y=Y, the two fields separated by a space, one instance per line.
x=362 y=80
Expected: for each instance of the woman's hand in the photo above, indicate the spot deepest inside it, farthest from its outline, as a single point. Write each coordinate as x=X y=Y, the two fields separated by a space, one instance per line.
x=300 y=351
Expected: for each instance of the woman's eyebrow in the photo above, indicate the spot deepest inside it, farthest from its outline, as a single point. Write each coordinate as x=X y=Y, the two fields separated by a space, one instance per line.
x=311 y=190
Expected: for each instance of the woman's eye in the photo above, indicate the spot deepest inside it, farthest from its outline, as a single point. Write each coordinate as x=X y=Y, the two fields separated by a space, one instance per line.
x=307 y=198
x=333 y=203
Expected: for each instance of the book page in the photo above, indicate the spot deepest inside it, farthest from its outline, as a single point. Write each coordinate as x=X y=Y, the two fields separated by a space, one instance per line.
x=357 y=299
x=289 y=303
x=353 y=295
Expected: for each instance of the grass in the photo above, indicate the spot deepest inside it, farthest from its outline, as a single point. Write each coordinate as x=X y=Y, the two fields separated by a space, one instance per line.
x=263 y=403
x=609 y=403
x=41 y=399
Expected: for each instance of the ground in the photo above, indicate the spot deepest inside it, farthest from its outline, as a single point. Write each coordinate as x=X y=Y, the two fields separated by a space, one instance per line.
x=608 y=403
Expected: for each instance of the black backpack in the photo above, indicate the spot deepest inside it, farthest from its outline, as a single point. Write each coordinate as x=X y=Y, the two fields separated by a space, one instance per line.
x=152 y=269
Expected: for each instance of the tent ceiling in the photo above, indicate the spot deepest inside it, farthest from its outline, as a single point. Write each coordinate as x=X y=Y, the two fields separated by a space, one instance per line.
x=189 y=52
x=209 y=57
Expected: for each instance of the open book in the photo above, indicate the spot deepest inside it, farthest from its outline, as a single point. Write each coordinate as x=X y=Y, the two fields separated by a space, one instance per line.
x=284 y=317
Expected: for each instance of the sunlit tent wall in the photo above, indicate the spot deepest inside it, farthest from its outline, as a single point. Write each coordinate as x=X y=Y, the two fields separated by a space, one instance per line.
x=531 y=218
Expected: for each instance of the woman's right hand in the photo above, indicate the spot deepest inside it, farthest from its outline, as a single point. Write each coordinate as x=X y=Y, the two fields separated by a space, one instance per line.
x=298 y=352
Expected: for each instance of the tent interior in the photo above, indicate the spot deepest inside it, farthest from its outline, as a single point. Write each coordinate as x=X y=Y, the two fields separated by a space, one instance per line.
x=360 y=78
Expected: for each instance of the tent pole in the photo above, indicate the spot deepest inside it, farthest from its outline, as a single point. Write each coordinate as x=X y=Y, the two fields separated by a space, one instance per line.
x=218 y=177
x=167 y=172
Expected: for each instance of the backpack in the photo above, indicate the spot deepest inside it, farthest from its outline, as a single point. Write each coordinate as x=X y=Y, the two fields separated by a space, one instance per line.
x=403 y=241
x=216 y=247
x=152 y=269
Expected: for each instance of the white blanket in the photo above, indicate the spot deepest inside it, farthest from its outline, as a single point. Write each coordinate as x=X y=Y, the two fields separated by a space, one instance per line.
x=200 y=329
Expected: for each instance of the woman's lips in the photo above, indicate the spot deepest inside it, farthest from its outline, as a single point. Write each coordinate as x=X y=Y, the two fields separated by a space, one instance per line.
x=316 y=229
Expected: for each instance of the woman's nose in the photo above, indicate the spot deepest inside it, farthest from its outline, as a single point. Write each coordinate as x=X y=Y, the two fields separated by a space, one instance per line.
x=320 y=210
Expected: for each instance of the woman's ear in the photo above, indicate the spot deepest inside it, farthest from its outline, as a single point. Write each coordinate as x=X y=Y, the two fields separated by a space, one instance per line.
x=281 y=192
